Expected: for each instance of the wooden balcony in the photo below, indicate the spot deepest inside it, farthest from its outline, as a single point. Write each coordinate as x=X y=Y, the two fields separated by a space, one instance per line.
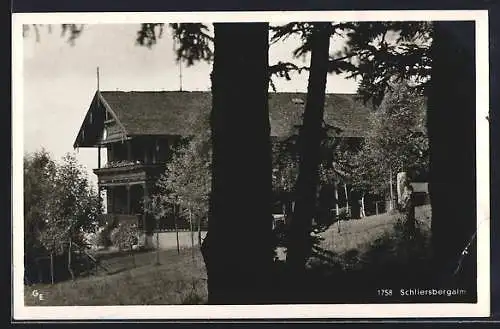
x=126 y=172
x=120 y=218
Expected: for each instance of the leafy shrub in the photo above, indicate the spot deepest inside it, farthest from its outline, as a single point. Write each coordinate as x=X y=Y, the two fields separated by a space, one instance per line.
x=124 y=236
x=60 y=207
x=103 y=236
x=343 y=214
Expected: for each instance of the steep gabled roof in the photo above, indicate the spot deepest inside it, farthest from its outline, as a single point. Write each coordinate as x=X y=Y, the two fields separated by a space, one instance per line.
x=343 y=111
x=173 y=112
x=158 y=113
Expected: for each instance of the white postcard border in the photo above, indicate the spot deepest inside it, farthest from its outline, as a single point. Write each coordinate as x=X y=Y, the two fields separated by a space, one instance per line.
x=480 y=309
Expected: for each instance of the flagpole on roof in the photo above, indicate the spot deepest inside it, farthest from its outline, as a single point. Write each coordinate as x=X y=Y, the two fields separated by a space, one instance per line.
x=98 y=78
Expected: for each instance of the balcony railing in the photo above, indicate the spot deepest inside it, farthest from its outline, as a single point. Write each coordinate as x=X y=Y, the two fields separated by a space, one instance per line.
x=129 y=164
x=114 y=219
x=121 y=163
x=125 y=172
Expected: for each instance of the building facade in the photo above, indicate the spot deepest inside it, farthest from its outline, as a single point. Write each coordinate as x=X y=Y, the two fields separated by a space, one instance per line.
x=138 y=132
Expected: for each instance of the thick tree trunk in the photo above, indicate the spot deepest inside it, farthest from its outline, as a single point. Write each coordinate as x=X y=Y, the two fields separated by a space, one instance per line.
x=451 y=129
x=239 y=254
x=310 y=137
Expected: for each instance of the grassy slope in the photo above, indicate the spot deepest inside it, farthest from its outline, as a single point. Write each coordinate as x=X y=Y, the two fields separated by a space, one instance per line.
x=359 y=234
x=368 y=254
x=180 y=279
x=177 y=280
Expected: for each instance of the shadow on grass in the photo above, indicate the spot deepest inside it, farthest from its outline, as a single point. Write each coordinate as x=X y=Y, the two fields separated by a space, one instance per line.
x=383 y=271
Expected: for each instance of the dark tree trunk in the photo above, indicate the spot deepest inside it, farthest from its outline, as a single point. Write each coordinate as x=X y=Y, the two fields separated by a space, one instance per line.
x=239 y=255
x=310 y=137
x=451 y=130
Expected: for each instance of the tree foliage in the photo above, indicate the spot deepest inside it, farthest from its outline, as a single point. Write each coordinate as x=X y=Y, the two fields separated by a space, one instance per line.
x=125 y=236
x=194 y=41
x=60 y=206
x=69 y=31
x=187 y=178
x=381 y=51
x=39 y=173
x=373 y=52
x=334 y=158
x=285 y=169
x=60 y=203
x=380 y=55
x=396 y=141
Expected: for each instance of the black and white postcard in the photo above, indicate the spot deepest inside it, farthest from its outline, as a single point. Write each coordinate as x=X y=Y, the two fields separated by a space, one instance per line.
x=250 y=165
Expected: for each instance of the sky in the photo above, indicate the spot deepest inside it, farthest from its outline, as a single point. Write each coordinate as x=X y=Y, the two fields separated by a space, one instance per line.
x=59 y=80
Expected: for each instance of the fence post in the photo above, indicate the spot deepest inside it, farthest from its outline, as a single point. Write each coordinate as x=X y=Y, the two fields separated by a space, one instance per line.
x=52 y=268
x=191 y=229
x=176 y=229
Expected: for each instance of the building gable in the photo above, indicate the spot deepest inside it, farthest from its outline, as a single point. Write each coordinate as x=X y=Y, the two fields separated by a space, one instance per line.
x=100 y=125
x=175 y=113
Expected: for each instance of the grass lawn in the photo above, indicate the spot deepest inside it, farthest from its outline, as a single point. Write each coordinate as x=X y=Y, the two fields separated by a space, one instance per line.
x=177 y=280
x=180 y=279
x=360 y=234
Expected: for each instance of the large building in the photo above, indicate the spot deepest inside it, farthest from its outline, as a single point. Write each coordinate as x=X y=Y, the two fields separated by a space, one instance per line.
x=139 y=130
